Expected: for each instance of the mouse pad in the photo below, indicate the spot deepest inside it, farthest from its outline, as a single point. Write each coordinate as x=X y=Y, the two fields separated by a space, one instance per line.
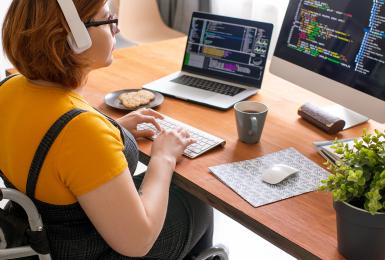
x=244 y=177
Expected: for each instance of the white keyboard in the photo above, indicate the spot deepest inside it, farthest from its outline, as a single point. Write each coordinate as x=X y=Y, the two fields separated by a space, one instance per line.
x=204 y=141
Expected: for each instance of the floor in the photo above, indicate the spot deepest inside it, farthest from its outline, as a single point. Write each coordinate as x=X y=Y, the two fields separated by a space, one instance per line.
x=241 y=242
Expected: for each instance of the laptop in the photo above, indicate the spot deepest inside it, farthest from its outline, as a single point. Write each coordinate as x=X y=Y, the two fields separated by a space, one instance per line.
x=224 y=61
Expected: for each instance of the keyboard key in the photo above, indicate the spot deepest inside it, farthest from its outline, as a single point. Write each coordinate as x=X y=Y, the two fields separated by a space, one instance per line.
x=208 y=85
x=204 y=140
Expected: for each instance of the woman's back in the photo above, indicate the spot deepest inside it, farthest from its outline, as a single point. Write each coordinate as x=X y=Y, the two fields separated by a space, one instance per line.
x=26 y=113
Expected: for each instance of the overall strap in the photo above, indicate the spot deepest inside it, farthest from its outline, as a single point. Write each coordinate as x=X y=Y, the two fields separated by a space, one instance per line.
x=8 y=78
x=44 y=147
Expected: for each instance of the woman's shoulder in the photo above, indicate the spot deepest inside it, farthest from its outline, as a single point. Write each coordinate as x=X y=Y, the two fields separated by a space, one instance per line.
x=12 y=81
x=89 y=152
x=14 y=77
x=91 y=122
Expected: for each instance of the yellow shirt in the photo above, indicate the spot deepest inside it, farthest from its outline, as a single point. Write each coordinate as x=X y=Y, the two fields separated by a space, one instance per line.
x=87 y=153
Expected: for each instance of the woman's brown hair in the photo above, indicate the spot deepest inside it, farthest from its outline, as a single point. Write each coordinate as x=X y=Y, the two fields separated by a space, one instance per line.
x=35 y=40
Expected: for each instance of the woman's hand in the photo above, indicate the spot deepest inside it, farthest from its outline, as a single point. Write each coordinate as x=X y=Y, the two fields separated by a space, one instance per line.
x=171 y=144
x=144 y=115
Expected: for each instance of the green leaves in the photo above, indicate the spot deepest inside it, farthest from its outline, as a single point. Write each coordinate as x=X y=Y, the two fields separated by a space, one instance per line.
x=360 y=173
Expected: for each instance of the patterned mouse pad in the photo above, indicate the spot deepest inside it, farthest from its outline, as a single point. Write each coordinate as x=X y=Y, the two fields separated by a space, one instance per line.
x=245 y=177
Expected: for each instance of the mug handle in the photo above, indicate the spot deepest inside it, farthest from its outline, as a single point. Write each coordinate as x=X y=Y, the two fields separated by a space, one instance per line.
x=254 y=126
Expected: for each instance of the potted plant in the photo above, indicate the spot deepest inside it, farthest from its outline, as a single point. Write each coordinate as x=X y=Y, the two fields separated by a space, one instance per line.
x=358 y=188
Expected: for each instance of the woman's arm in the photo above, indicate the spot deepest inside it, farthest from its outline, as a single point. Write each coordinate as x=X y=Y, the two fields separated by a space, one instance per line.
x=130 y=222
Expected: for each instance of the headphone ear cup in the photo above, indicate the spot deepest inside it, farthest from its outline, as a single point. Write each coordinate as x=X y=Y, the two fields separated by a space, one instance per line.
x=74 y=47
x=78 y=38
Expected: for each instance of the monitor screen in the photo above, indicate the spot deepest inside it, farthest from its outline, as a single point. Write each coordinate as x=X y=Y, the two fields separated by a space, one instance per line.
x=343 y=40
x=227 y=48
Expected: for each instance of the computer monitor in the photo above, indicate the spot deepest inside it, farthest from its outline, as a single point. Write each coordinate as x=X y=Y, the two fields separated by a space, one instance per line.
x=336 y=49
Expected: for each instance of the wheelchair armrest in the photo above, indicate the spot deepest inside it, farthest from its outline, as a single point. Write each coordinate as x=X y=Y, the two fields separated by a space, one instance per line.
x=36 y=234
x=27 y=204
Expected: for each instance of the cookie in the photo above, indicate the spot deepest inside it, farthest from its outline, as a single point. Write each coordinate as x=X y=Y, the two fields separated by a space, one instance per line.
x=130 y=100
x=144 y=100
x=126 y=96
x=146 y=94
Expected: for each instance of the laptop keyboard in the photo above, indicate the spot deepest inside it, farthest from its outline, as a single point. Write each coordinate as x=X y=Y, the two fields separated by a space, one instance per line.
x=204 y=141
x=208 y=85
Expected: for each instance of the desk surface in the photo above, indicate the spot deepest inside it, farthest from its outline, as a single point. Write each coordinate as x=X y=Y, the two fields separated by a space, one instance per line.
x=304 y=226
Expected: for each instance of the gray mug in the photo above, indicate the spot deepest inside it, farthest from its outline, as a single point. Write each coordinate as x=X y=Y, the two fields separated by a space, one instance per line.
x=250 y=117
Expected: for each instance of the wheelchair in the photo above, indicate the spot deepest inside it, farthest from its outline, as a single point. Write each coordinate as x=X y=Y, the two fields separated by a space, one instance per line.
x=19 y=239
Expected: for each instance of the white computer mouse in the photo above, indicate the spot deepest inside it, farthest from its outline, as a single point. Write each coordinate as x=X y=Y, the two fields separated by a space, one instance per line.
x=277 y=173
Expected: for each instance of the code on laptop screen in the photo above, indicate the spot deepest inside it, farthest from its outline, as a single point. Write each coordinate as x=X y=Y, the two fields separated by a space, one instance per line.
x=228 y=48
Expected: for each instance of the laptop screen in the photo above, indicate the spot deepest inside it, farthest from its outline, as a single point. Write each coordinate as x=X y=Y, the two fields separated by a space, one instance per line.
x=227 y=48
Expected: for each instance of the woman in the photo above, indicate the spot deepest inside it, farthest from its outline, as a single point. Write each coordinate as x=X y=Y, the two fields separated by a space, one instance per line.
x=81 y=182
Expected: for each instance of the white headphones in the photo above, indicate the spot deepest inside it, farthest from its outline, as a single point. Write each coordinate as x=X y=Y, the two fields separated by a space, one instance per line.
x=78 y=38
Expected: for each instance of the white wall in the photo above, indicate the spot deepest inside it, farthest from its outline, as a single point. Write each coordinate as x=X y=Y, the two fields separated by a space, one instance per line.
x=272 y=11
x=4 y=4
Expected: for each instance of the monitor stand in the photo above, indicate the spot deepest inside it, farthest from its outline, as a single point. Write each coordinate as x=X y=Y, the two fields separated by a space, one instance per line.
x=350 y=117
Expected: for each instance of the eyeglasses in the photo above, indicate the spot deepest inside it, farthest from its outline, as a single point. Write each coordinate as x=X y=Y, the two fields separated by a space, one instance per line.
x=112 y=20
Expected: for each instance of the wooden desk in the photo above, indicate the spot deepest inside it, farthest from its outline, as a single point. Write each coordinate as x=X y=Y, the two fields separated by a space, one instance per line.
x=304 y=226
